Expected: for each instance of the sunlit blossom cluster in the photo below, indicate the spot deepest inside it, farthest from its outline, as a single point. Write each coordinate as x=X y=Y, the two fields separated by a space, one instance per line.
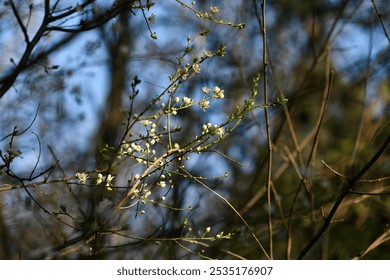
x=152 y=149
x=106 y=179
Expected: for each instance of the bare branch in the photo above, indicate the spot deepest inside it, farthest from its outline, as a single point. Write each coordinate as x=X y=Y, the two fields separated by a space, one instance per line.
x=20 y=22
x=340 y=199
x=385 y=237
x=380 y=16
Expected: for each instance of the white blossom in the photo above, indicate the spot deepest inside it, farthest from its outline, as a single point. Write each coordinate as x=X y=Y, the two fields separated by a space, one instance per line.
x=208 y=53
x=136 y=147
x=205 y=128
x=206 y=90
x=196 y=67
x=204 y=104
x=218 y=93
x=99 y=179
x=83 y=177
x=147 y=193
x=214 y=9
x=109 y=179
x=220 y=131
x=145 y=122
x=187 y=101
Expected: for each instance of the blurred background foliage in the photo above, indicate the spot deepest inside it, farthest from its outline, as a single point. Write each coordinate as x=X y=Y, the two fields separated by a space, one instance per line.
x=74 y=91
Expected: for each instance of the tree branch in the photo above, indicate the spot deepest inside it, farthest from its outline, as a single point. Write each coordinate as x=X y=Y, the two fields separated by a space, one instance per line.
x=344 y=193
x=20 y=22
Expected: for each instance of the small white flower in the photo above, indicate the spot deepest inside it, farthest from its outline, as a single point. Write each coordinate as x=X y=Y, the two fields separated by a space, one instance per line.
x=208 y=53
x=196 y=67
x=205 y=128
x=83 y=177
x=177 y=99
x=214 y=9
x=147 y=193
x=187 y=101
x=206 y=90
x=152 y=19
x=109 y=179
x=176 y=146
x=136 y=147
x=204 y=104
x=99 y=179
x=145 y=122
x=220 y=131
x=162 y=184
x=218 y=93
x=183 y=72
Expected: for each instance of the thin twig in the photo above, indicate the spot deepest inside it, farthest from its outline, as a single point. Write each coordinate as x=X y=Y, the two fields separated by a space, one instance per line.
x=144 y=174
x=7 y=82
x=324 y=51
x=369 y=193
x=359 y=181
x=380 y=16
x=363 y=115
x=209 y=16
x=20 y=22
x=233 y=208
x=268 y=128
x=72 y=11
x=380 y=240
x=341 y=197
x=334 y=171
x=263 y=25
x=305 y=179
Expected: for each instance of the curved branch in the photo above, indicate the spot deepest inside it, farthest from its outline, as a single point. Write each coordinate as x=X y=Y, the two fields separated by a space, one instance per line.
x=7 y=82
x=20 y=22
